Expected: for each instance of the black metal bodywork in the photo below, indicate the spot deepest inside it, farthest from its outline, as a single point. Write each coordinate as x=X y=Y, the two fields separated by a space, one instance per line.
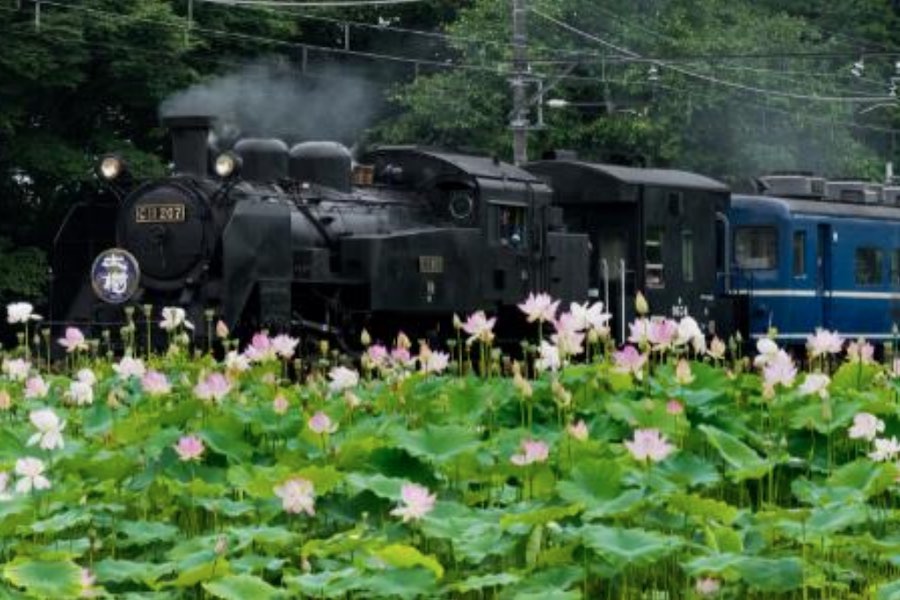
x=289 y=243
x=664 y=226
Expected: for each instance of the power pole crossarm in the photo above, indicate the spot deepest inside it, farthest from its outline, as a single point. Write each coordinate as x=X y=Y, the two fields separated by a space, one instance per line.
x=519 y=120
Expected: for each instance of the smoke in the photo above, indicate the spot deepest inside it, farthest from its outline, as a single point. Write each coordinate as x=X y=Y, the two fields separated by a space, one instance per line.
x=274 y=99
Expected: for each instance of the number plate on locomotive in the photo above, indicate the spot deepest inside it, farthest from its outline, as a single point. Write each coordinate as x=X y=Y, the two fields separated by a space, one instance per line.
x=159 y=213
x=431 y=264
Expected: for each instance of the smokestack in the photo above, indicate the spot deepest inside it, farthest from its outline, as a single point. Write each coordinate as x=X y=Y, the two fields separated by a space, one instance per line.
x=189 y=143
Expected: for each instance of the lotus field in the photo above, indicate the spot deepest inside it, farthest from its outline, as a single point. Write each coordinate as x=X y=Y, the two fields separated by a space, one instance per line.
x=673 y=467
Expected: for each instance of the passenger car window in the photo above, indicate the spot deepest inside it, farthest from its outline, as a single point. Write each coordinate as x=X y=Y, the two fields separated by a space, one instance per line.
x=868 y=266
x=895 y=268
x=756 y=247
x=799 y=248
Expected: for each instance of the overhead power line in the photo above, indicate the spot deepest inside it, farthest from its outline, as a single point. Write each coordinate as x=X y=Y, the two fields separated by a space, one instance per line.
x=704 y=77
x=313 y=3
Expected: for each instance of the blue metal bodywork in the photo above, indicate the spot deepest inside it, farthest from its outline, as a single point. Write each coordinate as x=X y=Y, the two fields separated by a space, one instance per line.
x=824 y=291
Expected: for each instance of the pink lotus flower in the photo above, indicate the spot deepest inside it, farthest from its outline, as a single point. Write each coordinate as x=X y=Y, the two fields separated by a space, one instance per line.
x=222 y=330
x=20 y=312
x=376 y=356
x=401 y=357
x=533 y=451
x=31 y=475
x=661 y=333
x=416 y=502
x=16 y=369
x=155 y=384
x=683 y=375
x=767 y=349
x=36 y=388
x=86 y=376
x=689 y=332
x=260 y=348
x=479 y=327
x=674 y=407
x=342 y=379
x=824 y=342
x=87 y=581
x=629 y=360
x=49 y=429
x=885 y=449
x=568 y=338
x=321 y=423
x=215 y=387
x=866 y=426
x=284 y=346
x=589 y=317
x=189 y=447
x=649 y=444
x=539 y=307
x=436 y=362
x=280 y=405
x=297 y=495
x=780 y=370
x=173 y=318
x=578 y=430
x=707 y=586
x=639 y=331
x=860 y=351
x=549 y=358
x=815 y=383
x=73 y=340
x=129 y=367
x=716 y=349
x=80 y=393
x=236 y=363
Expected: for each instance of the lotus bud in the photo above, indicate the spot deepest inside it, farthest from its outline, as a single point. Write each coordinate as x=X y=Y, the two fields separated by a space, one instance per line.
x=148 y=311
x=209 y=314
x=298 y=365
x=45 y=333
x=365 y=339
x=5 y=400
x=221 y=546
x=562 y=396
x=183 y=339
x=523 y=386
x=640 y=304
x=457 y=323
x=323 y=347
x=129 y=313
x=403 y=341
x=222 y=330
x=516 y=369
x=593 y=336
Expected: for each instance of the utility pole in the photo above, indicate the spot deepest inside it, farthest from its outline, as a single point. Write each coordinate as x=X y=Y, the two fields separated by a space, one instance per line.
x=519 y=121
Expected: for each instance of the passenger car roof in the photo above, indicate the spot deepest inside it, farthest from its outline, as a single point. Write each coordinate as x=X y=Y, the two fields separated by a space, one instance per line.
x=821 y=207
x=476 y=166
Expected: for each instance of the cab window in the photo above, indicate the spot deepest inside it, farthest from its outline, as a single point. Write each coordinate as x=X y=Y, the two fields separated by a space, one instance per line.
x=510 y=225
x=756 y=247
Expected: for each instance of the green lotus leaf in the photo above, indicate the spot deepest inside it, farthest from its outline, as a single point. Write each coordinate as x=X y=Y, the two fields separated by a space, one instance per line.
x=277 y=538
x=11 y=447
x=479 y=582
x=824 y=418
x=539 y=515
x=225 y=435
x=889 y=591
x=548 y=583
x=44 y=578
x=745 y=463
x=833 y=518
x=199 y=567
x=241 y=587
x=144 y=533
x=63 y=521
x=868 y=477
x=403 y=556
x=597 y=485
x=688 y=470
x=378 y=484
x=400 y=583
x=703 y=508
x=854 y=376
x=772 y=574
x=437 y=443
x=327 y=584
x=118 y=571
x=258 y=481
x=623 y=547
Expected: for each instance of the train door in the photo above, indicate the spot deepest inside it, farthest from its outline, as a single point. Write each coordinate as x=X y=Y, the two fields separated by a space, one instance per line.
x=824 y=271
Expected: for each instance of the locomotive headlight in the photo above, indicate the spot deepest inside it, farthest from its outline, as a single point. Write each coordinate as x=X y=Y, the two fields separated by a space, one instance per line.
x=111 y=167
x=227 y=164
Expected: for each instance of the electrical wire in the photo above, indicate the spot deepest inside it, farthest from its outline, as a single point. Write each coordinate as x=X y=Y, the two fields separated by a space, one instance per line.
x=708 y=78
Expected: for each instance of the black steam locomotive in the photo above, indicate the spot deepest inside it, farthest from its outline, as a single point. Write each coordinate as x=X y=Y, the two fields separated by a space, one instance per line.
x=302 y=238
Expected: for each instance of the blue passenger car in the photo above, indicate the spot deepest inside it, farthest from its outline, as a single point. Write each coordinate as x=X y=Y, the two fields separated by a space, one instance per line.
x=815 y=254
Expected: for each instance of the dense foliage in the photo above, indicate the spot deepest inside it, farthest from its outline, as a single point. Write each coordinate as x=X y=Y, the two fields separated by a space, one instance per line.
x=664 y=469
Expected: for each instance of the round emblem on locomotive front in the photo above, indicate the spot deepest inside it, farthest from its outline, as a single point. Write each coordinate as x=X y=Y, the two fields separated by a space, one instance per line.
x=115 y=275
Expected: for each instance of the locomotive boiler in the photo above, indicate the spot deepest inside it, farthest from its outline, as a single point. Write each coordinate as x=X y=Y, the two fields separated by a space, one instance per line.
x=264 y=235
